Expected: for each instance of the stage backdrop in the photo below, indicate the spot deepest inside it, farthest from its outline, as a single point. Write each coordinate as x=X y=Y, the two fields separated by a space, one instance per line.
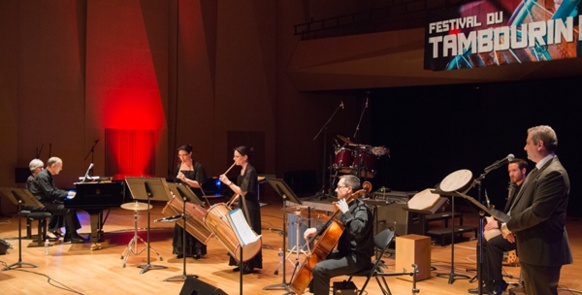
x=498 y=32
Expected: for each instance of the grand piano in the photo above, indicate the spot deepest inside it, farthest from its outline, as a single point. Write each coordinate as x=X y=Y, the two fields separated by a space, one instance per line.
x=94 y=198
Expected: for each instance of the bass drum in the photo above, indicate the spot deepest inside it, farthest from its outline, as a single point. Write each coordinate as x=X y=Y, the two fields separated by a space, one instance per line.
x=217 y=221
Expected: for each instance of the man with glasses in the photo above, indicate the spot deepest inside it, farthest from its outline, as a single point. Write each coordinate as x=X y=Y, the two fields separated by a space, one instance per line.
x=356 y=244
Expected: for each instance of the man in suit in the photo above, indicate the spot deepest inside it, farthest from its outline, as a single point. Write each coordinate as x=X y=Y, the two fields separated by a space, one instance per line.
x=494 y=244
x=538 y=215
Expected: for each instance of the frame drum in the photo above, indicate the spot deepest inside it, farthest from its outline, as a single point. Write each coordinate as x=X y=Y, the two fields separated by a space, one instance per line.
x=458 y=181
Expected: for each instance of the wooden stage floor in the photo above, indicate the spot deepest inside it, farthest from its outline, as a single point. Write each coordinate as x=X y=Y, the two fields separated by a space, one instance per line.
x=75 y=269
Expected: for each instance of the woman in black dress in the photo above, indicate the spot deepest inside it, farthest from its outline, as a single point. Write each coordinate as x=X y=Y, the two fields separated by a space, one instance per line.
x=246 y=186
x=191 y=173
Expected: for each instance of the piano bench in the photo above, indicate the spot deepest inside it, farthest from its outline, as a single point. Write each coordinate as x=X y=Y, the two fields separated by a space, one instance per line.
x=41 y=217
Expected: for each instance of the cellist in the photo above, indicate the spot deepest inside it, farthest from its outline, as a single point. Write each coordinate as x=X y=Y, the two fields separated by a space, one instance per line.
x=356 y=243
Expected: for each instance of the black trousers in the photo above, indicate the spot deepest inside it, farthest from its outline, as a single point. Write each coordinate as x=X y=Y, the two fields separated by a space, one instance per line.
x=72 y=223
x=493 y=259
x=335 y=265
x=541 y=280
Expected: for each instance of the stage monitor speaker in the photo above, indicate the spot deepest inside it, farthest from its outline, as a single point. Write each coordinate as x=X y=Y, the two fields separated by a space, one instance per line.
x=393 y=216
x=4 y=246
x=194 y=286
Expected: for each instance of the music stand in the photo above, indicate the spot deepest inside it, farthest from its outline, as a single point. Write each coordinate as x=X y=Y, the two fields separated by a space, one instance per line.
x=149 y=189
x=20 y=197
x=283 y=190
x=187 y=195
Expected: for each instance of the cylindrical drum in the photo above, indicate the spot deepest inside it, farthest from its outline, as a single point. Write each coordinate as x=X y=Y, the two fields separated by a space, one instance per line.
x=217 y=222
x=194 y=218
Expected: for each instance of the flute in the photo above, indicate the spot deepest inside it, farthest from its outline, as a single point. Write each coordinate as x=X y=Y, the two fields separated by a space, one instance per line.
x=229 y=168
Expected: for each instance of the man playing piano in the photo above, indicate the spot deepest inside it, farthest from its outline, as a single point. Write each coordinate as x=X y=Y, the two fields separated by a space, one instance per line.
x=52 y=198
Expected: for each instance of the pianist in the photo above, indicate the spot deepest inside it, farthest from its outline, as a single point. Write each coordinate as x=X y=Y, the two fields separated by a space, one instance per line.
x=52 y=198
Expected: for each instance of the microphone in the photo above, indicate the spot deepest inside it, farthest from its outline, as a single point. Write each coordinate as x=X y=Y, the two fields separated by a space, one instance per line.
x=499 y=163
x=342 y=105
x=366 y=102
x=487 y=200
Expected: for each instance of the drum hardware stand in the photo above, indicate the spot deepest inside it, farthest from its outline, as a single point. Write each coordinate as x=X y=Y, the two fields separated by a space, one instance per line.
x=136 y=187
x=324 y=129
x=452 y=276
x=297 y=247
x=133 y=243
x=285 y=192
x=451 y=182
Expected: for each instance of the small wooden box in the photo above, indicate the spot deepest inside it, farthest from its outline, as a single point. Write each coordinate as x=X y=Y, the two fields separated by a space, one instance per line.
x=413 y=249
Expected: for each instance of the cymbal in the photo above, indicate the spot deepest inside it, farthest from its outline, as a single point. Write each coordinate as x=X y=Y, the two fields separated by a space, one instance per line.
x=345 y=139
x=136 y=206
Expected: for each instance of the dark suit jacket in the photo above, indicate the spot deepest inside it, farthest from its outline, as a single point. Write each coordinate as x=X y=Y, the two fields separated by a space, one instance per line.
x=538 y=216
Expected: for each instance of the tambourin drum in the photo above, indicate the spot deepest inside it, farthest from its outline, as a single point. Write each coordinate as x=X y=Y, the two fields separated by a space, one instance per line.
x=216 y=221
x=292 y=223
x=364 y=160
x=194 y=221
x=343 y=158
x=458 y=181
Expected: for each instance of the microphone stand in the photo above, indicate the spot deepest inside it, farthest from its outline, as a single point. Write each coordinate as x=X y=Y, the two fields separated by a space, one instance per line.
x=479 y=182
x=91 y=152
x=324 y=128
x=355 y=137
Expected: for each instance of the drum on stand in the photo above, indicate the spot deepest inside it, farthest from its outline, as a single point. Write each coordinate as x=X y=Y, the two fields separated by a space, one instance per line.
x=293 y=221
x=343 y=159
x=364 y=161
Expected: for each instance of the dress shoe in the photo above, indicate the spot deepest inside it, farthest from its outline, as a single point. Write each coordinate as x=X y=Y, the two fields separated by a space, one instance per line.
x=247 y=269
x=73 y=238
x=476 y=290
x=51 y=236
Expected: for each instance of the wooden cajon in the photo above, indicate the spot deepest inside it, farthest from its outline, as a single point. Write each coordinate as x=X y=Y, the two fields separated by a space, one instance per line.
x=413 y=249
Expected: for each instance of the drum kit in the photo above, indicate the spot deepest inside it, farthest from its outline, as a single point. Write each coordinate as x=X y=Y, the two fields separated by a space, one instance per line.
x=357 y=159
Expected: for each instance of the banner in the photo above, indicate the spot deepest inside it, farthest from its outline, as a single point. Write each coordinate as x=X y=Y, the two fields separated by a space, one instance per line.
x=498 y=32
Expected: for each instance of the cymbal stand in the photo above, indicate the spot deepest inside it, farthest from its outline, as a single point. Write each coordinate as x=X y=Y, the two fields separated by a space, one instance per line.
x=132 y=246
x=324 y=128
x=147 y=266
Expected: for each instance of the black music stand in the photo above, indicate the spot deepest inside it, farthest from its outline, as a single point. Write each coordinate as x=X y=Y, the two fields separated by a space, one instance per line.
x=20 y=197
x=286 y=193
x=187 y=195
x=149 y=189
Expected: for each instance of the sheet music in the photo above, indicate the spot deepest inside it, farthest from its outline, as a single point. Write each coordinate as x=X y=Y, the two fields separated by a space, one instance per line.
x=241 y=227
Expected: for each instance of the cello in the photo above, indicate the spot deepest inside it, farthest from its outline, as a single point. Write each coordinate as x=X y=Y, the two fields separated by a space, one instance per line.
x=329 y=236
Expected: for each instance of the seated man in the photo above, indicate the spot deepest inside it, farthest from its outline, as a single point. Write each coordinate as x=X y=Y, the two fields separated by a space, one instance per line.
x=356 y=244
x=52 y=198
x=494 y=244
x=56 y=222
